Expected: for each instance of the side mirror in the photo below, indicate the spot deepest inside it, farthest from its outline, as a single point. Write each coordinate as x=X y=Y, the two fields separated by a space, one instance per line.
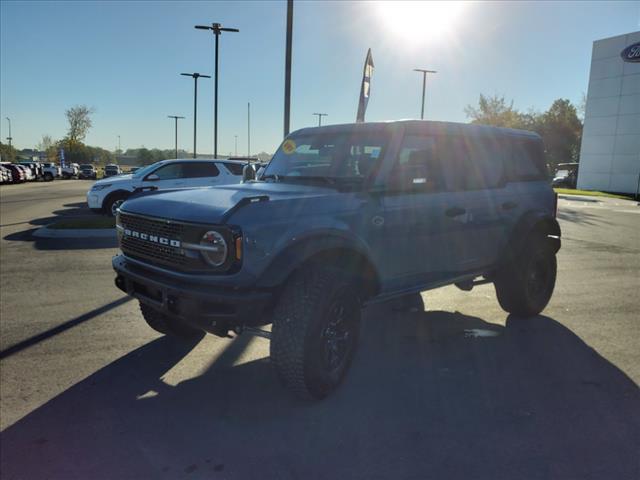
x=248 y=173
x=152 y=177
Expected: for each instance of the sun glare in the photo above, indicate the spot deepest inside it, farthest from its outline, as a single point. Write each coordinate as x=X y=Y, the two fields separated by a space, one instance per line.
x=418 y=22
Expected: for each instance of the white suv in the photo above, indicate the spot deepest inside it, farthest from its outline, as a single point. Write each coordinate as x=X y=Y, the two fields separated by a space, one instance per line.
x=108 y=194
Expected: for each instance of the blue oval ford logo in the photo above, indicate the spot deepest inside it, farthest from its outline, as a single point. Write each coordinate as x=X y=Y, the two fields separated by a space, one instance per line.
x=631 y=53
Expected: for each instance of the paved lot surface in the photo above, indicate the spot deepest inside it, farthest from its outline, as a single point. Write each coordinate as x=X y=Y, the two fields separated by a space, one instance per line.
x=89 y=391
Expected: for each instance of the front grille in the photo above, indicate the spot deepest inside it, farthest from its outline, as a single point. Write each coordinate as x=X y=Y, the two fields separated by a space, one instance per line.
x=155 y=252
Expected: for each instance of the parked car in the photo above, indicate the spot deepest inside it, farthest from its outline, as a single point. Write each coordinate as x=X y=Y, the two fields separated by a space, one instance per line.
x=28 y=173
x=70 y=170
x=134 y=169
x=35 y=167
x=345 y=216
x=18 y=175
x=5 y=175
x=566 y=175
x=87 y=171
x=51 y=171
x=107 y=194
x=112 y=170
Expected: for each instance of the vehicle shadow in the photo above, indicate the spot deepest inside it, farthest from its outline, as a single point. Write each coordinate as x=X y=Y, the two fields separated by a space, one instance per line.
x=430 y=395
x=75 y=210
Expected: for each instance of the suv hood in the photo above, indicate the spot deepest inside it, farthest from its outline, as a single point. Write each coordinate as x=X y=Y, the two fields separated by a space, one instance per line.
x=210 y=205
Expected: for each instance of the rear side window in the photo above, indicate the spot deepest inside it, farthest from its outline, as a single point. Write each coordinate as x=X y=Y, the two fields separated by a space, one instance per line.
x=526 y=162
x=199 y=170
x=486 y=163
x=234 y=168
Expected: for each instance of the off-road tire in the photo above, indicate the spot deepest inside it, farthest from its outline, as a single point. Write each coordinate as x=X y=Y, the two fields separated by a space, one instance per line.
x=524 y=285
x=303 y=321
x=169 y=326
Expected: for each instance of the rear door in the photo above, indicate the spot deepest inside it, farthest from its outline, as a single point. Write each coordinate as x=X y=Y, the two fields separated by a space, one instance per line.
x=474 y=171
x=200 y=174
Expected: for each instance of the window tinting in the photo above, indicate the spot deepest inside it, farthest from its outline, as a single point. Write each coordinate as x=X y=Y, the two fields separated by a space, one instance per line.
x=199 y=170
x=486 y=157
x=527 y=160
x=417 y=167
x=234 y=168
x=169 y=172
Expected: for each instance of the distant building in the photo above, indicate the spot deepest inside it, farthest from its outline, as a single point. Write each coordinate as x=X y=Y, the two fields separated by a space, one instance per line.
x=610 y=150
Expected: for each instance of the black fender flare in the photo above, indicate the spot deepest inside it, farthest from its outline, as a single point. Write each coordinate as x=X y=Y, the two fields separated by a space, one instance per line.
x=534 y=223
x=319 y=246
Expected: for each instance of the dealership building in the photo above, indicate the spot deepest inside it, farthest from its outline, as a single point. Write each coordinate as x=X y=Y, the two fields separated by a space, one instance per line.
x=610 y=150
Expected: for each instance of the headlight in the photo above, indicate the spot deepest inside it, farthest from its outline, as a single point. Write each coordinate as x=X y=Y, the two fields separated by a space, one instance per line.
x=214 y=248
x=100 y=186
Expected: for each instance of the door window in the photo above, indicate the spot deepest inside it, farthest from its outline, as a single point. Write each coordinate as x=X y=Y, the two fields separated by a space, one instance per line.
x=486 y=158
x=169 y=172
x=199 y=170
x=418 y=167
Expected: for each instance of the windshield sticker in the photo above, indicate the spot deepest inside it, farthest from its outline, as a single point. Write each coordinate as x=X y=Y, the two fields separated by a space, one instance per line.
x=289 y=146
x=375 y=152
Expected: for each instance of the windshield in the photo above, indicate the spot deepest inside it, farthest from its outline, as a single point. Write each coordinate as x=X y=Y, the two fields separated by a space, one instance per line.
x=83 y=166
x=326 y=156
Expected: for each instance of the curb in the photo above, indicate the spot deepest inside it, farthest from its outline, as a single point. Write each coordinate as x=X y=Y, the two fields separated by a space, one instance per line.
x=46 y=232
x=579 y=198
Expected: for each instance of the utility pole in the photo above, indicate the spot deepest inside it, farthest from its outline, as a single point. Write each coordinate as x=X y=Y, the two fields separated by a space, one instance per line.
x=9 y=137
x=217 y=29
x=176 y=118
x=424 y=84
x=320 y=115
x=195 y=77
x=119 y=149
x=287 y=67
x=248 y=129
x=236 y=139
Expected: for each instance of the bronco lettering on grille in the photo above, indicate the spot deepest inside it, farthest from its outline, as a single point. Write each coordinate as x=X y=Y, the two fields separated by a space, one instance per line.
x=152 y=238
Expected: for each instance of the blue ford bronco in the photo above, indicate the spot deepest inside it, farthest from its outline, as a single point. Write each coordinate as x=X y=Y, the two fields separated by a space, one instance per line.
x=343 y=216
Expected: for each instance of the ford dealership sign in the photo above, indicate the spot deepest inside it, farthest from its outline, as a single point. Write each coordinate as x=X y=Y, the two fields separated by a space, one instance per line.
x=631 y=53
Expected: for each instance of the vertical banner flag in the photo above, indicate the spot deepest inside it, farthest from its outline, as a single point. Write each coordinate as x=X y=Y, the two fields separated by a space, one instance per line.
x=366 y=86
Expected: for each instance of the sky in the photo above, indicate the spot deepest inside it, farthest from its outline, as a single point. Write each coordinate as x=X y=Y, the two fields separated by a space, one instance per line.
x=124 y=60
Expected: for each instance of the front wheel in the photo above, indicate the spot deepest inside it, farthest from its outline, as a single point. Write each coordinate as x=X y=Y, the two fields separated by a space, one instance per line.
x=315 y=331
x=113 y=204
x=524 y=286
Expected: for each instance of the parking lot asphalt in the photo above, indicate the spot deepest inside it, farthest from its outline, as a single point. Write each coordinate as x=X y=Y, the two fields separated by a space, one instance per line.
x=459 y=390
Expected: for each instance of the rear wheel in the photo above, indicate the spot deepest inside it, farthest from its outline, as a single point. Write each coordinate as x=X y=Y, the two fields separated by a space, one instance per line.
x=169 y=326
x=315 y=331
x=524 y=286
x=48 y=177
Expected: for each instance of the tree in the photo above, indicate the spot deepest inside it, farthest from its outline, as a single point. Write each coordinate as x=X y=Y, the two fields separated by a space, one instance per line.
x=79 y=118
x=145 y=156
x=560 y=127
x=7 y=153
x=561 y=130
x=45 y=144
x=494 y=110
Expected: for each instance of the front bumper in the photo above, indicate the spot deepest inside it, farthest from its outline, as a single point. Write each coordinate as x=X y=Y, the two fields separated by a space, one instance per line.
x=215 y=310
x=94 y=201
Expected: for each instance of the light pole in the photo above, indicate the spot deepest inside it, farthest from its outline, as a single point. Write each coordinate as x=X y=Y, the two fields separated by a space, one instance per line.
x=119 y=149
x=236 y=138
x=320 y=115
x=217 y=29
x=195 y=77
x=9 y=137
x=287 y=67
x=176 y=118
x=248 y=129
x=424 y=84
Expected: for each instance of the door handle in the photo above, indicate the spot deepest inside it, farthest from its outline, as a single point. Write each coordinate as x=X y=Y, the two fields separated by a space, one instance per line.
x=509 y=205
x=455 y=211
